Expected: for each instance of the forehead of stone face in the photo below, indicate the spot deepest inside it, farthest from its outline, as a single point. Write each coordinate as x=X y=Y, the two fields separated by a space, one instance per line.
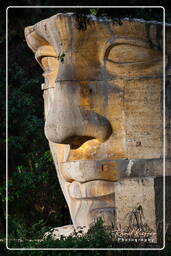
x=86 y=50
x=62 y=31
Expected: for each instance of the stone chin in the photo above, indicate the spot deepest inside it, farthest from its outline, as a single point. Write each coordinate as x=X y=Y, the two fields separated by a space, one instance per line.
x=90 y=200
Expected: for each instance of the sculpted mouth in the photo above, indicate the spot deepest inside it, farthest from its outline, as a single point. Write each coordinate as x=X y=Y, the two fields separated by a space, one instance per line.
x=84 y=171
x=91 y=189
x=89 y=179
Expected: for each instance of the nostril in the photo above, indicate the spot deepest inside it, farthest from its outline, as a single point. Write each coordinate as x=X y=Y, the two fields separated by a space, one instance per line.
x=90 y=91
x=76 y=141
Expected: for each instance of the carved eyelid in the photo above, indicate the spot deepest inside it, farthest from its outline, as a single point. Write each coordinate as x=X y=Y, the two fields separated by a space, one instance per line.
x=129 y=42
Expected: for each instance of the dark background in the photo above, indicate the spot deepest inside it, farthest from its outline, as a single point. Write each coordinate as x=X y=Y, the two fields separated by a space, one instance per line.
x=35 y=198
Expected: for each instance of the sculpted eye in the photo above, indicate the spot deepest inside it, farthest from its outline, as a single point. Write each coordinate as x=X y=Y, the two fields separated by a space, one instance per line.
x=129 y=54
x=46 y=57
x=132 y=59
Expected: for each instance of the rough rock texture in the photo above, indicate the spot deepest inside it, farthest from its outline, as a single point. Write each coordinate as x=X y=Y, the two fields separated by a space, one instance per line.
x=57 y=233
x=103 y=95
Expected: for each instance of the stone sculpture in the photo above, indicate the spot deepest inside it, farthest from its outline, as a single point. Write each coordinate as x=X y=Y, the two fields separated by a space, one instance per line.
x=103 y=103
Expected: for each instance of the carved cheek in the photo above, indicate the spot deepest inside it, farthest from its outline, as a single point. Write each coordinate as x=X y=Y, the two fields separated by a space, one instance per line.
x=50 y=66
x=48 y=96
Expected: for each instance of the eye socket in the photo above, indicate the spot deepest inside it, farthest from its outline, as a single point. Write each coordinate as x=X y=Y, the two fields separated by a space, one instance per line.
x=126 y=53
x=50 y=67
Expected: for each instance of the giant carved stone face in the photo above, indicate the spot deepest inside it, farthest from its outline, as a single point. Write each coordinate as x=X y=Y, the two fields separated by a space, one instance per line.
x=103 y=107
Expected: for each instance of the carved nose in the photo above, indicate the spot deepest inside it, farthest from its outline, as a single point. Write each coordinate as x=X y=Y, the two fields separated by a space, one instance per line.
x=68 y=123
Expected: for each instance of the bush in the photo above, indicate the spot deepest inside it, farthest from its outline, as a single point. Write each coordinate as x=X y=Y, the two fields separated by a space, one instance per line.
x=98 y=236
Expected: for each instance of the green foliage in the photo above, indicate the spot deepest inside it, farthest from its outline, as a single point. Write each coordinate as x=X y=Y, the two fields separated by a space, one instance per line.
x=93 y=11
x=34 y=194
x=22 y=231
x=98 y=236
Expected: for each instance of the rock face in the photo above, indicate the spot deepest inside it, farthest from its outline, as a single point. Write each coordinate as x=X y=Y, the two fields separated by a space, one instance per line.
x=103 y=103
x=57 y=233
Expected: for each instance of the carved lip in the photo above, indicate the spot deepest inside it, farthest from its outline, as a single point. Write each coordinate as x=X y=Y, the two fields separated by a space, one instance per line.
x=89 y=170
x=91 y=189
